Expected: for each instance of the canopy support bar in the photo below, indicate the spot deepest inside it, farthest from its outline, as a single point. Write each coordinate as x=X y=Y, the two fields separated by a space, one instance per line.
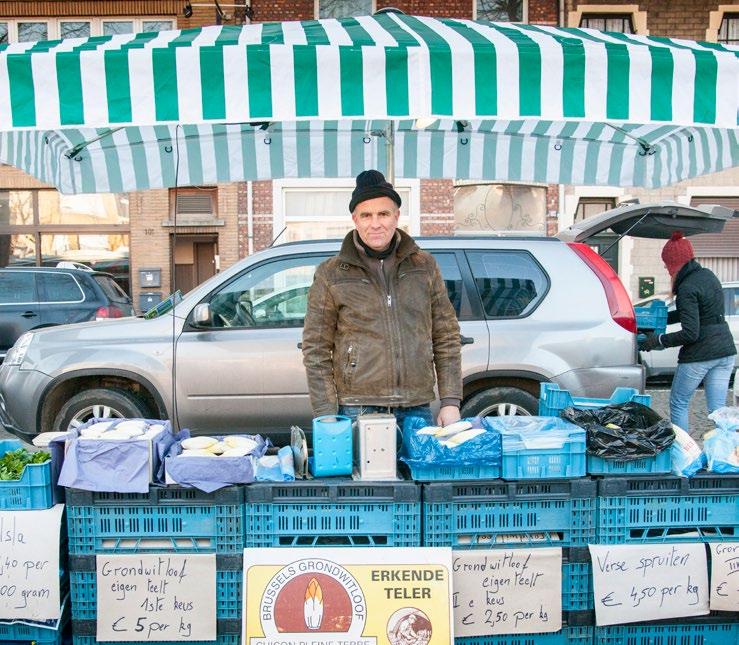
x=73 y=152
x=647 y=148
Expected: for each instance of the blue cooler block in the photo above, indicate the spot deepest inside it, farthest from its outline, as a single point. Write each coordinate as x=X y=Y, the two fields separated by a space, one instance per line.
x=332 y=446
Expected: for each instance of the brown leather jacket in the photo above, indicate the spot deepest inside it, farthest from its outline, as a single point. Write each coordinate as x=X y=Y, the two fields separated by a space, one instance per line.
x=365 y=344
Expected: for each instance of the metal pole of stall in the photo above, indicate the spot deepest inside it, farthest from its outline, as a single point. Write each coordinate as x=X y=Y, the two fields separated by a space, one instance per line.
x=390 y=152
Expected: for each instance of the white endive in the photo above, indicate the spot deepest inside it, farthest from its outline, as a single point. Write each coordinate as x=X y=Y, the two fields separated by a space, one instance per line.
x=313 y=607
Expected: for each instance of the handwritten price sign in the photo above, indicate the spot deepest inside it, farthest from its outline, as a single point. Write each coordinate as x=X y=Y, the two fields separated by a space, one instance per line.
x=156 y=597
x=632 y=583
x=725 y=576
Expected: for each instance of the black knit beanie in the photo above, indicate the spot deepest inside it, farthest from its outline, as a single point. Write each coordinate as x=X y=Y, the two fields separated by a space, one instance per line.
x=371 y=184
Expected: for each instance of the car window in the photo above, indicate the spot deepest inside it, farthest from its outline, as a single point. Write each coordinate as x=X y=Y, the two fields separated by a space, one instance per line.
x=731 y=301
x=17 y=287
x=59 y=287
x=452 y=279
x=271 y=295
x=511 y=283
x=111 y=289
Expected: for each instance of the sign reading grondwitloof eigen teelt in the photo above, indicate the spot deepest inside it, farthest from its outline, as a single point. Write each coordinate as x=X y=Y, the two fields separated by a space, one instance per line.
x=29 y=564
x=507 y=591
x=635 y=582
x=325 y=596
x=156 y=597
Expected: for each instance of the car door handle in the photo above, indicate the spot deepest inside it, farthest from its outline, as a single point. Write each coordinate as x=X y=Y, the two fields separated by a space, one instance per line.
x=300 y=345
x=466 y=340
x=28 y=314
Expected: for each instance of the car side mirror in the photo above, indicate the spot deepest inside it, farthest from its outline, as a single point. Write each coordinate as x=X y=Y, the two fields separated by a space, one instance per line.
x=201 y=316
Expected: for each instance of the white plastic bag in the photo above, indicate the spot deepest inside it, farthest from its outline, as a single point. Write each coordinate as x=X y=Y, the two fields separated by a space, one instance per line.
x=686 y=455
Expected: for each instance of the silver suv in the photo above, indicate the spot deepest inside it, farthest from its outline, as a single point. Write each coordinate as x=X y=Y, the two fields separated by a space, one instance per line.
x=531 y=309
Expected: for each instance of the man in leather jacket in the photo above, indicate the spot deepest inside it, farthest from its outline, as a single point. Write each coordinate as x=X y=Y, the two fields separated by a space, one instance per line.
x=706 y=345
x=380 y=330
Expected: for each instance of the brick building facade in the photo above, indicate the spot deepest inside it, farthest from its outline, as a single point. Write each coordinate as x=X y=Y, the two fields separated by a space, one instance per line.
x=243 y=216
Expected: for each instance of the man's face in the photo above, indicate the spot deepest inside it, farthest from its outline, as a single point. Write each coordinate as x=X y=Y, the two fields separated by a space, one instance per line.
x=376 y=220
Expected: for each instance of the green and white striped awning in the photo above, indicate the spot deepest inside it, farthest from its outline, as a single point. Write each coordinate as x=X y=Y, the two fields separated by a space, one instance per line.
x=316 y=99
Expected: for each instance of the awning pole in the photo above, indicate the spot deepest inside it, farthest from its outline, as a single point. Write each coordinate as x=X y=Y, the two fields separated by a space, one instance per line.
x=390 y=152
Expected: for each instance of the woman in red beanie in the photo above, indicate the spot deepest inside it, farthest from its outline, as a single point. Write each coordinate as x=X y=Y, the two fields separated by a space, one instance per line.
x=706 y=344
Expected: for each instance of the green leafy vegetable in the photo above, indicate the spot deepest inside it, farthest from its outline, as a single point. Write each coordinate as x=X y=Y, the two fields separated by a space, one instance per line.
x=13 y=462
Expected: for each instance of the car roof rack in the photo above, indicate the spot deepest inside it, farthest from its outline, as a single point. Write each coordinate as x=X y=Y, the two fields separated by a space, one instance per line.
x=68 y=264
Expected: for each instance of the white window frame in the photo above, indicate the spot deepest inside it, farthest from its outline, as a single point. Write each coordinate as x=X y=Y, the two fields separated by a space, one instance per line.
x=317 y=3
x=715 y=18
x=524 y=13
x=638 y=18
x=96 y=24
x=281 y=186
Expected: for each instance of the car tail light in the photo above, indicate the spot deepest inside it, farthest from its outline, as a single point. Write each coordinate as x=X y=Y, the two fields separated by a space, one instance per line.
x=622 y=311
x=103 y=313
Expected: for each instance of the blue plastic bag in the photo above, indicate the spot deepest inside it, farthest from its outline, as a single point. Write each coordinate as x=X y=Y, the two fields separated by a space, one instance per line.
x=722 y=451
x=424 y=449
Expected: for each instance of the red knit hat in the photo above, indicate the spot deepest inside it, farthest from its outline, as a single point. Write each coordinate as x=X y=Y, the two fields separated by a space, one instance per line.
x=676 y=252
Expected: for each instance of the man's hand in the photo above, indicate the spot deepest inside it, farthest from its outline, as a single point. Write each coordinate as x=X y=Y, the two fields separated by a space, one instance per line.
x=447 y=415
x=649 y=343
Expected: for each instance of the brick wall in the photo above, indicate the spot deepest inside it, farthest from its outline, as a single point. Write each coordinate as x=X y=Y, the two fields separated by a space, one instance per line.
x=151 y=241
x=437 y=207
x=23 y=8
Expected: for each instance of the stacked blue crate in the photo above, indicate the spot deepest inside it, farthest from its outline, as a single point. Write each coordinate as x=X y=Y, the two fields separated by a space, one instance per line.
x=663 y=510
x=166 y=519
x=494 y=515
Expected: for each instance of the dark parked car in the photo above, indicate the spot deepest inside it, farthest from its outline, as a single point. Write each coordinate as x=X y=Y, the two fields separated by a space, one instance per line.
x=35 y=297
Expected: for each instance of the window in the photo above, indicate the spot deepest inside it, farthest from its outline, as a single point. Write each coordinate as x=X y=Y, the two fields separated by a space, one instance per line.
x=17 y=249
x=728 y=33
x=195 y=206
x=343 y=8
x=100 y=251
x=32 y=31
x=608 y=22
x=94 y=209
x=24 y=30
x=74 y=29
x=318 y=208
x=500 y=10
x=16 y=207
x=110 y=288
x=17 y=287
x=59 y=287
x=484 y=208
x=271 y=295
x=731 y=301
x=511 y=283
x=587 y=207
x=452 y=277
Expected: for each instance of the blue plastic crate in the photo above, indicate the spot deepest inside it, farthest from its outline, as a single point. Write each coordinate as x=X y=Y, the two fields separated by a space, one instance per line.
x=566 y=636
x=565 y=462
x=33 y=490
x=660 y=463
x=652 y=317
x=674 y=634
x=39 y=633
x=430 y=472
x=552 y=400
x=83 y=587
x=333 y=513
x=638 y=510
x=527 y=513
x=189 y=520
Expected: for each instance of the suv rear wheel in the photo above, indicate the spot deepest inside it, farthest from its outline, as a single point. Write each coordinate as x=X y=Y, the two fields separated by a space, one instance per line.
x=99 y=403
x=501 y=401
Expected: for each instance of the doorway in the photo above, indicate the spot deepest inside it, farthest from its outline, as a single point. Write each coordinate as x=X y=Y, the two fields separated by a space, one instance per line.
x=195 y=260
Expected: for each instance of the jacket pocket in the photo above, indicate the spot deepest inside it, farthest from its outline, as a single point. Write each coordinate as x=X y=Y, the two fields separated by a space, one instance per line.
x=350 y=363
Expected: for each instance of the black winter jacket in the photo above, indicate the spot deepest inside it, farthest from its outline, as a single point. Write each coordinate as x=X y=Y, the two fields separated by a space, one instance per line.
x=699 y=308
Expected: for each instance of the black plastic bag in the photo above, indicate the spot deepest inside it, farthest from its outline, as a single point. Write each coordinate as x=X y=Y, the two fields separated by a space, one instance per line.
x=625 y=431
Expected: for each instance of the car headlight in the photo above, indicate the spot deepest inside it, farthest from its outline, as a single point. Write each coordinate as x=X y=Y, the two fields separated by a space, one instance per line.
x=17 y=352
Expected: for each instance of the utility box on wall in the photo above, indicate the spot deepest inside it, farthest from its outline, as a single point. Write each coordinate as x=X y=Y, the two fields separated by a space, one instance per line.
x=147 y=299
x=150 y=278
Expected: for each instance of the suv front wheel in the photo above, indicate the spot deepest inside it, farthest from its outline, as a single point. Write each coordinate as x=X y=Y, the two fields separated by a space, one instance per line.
x=500 y=401
x=99 y=403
